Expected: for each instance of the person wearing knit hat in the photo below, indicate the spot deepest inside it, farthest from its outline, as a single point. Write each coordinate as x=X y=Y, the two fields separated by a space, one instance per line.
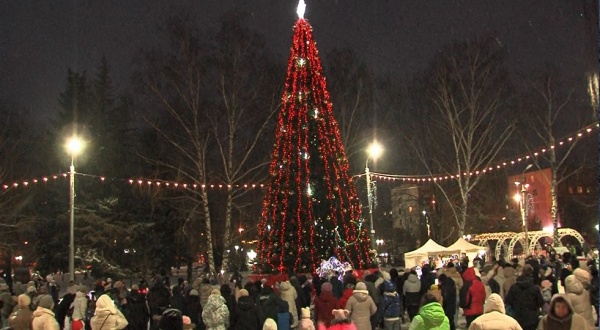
x=305 y=322
x=215 y=291
x=434 y=289
x=494 y=317
x=361 y=307
x=325 y=303
x=243 y=293
x=43 y=317
x=193 y=292
x=21 y=318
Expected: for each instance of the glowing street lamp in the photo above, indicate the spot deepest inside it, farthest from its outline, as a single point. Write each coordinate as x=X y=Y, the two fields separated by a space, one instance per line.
x=373 y=151
x=521 y=199
x=74 y=147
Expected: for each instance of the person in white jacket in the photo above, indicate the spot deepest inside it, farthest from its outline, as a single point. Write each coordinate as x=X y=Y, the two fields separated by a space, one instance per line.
x=494 y=317
x=107 y=316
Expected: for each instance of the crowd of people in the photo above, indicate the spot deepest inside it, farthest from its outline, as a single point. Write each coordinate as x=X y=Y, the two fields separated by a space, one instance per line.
x=536 y=293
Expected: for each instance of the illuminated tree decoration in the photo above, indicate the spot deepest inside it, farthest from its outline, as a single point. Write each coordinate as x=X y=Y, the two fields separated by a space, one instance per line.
x=310 y=205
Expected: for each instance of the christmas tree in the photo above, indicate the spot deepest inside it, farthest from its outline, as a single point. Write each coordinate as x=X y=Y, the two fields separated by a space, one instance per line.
x=310 y=210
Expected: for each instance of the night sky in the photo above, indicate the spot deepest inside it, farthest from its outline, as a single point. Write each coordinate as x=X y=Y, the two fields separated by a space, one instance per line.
x=40 y=39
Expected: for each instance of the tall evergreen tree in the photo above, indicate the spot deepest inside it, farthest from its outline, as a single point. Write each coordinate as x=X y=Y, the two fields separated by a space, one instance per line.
x=310 y=210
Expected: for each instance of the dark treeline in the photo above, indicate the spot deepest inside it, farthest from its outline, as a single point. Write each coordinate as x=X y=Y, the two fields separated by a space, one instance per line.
x=200 y=109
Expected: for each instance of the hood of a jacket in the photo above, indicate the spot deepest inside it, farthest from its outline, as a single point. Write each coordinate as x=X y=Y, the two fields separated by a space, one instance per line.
x=413 y=278
x=573 y=285
x=556 y=298
x=583 y=276
x=432 y=314
x=79 y=294
x=41 y=311
x=214 y=302
x=388 y=286
x=509 y=272
x=245 y=303
x=361 y=295
x=285 y=286
x=105 y=303
x=469 y=274
x=494 y=303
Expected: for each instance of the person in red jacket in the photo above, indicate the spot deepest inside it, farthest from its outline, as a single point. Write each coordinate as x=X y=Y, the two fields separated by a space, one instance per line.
x=475 y=296
x=324 y=304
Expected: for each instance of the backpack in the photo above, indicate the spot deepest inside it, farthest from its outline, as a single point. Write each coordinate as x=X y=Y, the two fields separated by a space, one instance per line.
x=463 y=294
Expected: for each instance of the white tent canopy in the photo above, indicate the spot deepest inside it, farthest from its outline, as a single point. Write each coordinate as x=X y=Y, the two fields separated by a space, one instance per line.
x=430 y=248
x=470 y=249
x=461 y=245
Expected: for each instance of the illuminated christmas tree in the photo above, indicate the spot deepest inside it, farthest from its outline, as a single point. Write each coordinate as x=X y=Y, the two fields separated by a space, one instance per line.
x=311 y=210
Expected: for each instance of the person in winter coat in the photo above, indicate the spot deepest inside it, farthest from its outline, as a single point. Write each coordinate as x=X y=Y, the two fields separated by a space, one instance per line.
x=21 y=318
x=390 y=307
x=336 y=285
x=431 y=315
x=546 y=295
x=561 y=316
x=245 y=313
x=348 y=290
x=427 y=279
x=361 y=307
x=341 y=321
x=289 y=294
x=500 y=279
x=204 y=288
x=176 y=301
x=475 y=296
x=525 y=299
x=495 y=317
x=579 y=296
x=43 y=317
x=229 y=297
x=138 y=312
x=595 y=291
x=80 y=305
x=158 y=300
x=325 y=304
x=449 y=295
x=215 y=314
x=107 y=315
x=509 y=279
x=306 y=290
x=412 y=293
x=305 y=322
x=269 y=305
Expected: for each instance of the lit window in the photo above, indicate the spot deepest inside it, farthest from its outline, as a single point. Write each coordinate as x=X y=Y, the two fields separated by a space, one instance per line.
x=588 y=190
x=570 y=190
x=580 y=190
x=410 y=209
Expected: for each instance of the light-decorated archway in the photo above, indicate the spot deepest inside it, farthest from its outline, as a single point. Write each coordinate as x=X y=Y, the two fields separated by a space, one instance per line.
x=513 y=238
x=500 y=238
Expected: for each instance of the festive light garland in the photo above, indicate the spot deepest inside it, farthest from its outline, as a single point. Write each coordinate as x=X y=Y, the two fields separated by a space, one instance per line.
x=383 y=176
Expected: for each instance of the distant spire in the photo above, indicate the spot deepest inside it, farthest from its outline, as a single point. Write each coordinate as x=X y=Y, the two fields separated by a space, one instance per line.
x=301 y=9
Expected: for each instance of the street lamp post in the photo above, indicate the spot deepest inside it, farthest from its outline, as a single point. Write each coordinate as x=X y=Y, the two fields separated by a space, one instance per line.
x=522 y=199
x=374 y=151
x=74 y=146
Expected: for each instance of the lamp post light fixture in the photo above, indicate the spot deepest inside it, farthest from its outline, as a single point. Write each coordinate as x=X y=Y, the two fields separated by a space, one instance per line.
x=374 y=151
x=74 y=147
x=427 y=223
